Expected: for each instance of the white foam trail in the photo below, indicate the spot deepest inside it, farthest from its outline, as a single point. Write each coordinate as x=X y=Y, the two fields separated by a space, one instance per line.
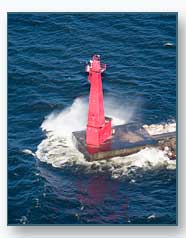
x=29 y=152
x=59 y=151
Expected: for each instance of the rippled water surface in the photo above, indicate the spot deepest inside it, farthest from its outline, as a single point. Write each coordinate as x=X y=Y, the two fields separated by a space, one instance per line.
x=49 y=181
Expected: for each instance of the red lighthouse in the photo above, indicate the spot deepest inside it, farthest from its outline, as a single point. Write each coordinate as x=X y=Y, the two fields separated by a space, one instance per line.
x=99 y=127
x=98 y=142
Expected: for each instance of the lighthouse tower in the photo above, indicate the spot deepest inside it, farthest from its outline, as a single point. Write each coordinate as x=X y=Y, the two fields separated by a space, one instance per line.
x=99 y=127
x=101 y=140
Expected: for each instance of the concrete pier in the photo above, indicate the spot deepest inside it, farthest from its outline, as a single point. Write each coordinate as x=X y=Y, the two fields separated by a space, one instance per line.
x=126 y=140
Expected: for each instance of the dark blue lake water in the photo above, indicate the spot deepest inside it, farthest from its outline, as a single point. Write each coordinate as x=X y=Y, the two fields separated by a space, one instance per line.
x=49 y=182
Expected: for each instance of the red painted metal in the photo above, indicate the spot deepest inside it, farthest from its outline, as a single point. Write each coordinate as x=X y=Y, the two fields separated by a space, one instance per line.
x=98 y=126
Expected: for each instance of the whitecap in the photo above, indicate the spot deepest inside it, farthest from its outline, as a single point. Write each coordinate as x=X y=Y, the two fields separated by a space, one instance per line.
x=168 y=44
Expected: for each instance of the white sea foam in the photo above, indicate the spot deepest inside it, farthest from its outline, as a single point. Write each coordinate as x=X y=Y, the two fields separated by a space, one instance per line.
x=29 y=152
x=58 y=149
x=74 y=118
x=156 y=129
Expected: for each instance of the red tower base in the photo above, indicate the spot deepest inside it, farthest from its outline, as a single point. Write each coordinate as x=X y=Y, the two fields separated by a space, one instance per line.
x=97 y=135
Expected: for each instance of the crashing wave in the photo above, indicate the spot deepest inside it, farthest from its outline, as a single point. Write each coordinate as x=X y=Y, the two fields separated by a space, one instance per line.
x=58 y=149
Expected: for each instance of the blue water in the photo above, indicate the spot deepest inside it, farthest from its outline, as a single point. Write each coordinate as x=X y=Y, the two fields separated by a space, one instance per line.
x=46 y=59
